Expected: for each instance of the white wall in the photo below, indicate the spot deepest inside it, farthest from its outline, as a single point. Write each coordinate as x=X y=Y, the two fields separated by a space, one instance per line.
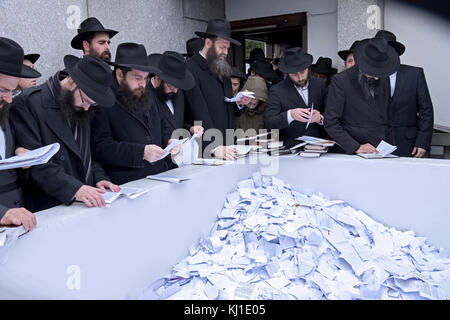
x=322 y=20
x=427 y=42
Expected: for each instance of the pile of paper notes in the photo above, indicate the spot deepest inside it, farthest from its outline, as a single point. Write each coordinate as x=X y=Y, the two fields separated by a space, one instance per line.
x=31 y=158
x=272 y=242
x=312 y=147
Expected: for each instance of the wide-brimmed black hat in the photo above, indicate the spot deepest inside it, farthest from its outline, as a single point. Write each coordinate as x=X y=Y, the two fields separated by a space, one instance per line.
x=93 y=76
x=32 y=57
x=376 y=58
x=237 y=73
x=323 y=66
x=344 y=53
x=218 y=28
x=392 y=40
x=264 y=69
x=133 y=56
x=194 y=45
x=87 y=27
x=172 y=69
x=295 y=60
x=11 y=60
x=257 y=54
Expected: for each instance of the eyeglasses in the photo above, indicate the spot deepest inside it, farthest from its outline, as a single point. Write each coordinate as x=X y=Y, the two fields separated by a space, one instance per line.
x=86 y=103
x=5 y=92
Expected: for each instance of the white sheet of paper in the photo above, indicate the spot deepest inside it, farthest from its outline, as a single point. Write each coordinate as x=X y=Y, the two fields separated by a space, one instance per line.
x=240 y=95
x=171 y=146
x=31 y=158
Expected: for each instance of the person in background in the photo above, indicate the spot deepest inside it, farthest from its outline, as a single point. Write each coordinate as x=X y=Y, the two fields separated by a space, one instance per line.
x=238 y=79
x=348 y=55
x=322 y=69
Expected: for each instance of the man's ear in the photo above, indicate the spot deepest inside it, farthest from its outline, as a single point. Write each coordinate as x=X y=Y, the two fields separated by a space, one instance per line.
x=119 y=75
x=208 y=43
x=85 y=47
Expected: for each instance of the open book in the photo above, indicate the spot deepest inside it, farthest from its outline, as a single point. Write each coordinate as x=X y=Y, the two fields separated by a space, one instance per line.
x=31 y=158
x=317 y=141
x=130 y=193
x=384 y=151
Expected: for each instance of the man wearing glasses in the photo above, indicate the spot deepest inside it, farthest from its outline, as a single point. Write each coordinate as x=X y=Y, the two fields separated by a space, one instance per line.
x=61 y=111
x=12 y=211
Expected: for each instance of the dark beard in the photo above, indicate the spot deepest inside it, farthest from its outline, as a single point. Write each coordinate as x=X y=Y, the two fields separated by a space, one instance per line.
x=368 y=86
x=135 y=101
x=219 y=67
x=4 y=114
x=162 y=95
x=82 y=118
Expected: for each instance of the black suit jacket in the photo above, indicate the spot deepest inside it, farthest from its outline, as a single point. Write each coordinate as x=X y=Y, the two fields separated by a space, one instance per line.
x=205 y=101
x=38 y=121
x=177 y=119
x=119 y=138
x=412 y=111
x=350 y=119
x=10 y=191
x=283 y=97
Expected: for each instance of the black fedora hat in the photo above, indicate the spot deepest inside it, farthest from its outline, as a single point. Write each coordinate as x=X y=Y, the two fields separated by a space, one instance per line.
x=218 y=28
x=32 y=57
x=11 y=60
x=392 y=40
x=264 y=69
x=237 y=73
x=295 y=60
x=133 y=56
x=193 y=45
x=89 y=26
x=93 y=76
x=153 y=59
x=323 y=66
x=172 y=69
x=256 y=54
x=376 y=58
x=344 y=53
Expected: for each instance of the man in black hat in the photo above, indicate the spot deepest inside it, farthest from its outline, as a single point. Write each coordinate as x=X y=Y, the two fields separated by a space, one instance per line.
x=60 y=111
x=193 y=45
x=358 y=114
x=237 y=80
x=94 y=39
x=212 y=75
x=24 y=83
x=168 y=84
x=322 y=69
x=348 y=55
x=128 y=139
x=12 y=211
x=290 y=102
x=264 y=69
x=412 y=108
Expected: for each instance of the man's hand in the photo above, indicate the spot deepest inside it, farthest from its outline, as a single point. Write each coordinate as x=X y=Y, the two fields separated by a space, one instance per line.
x=92 y=197
x=175 y=150
x=244 y=100
x=300 y=114
x=226 y=153
x=316 y=116
x=199 y=130
x=367 y=148
x=18 y=217
x=418 y=152
x=21 y=151
x=107 y=185
x=153 y=153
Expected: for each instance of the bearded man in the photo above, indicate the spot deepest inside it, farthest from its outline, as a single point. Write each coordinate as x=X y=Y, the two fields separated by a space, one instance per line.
x=205 y=101
x=60 y=111
x=128 y=139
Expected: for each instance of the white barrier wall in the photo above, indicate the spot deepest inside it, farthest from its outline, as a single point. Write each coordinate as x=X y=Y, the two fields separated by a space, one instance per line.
x=117 y=252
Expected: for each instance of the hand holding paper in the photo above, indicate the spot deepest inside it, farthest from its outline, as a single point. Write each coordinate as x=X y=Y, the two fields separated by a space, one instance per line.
x=240 y=95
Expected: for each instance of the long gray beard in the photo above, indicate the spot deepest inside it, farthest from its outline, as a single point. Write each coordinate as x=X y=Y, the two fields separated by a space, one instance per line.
x=220 y=68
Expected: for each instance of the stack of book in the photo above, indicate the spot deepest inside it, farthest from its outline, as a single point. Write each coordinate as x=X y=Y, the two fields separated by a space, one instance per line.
x=312 y=147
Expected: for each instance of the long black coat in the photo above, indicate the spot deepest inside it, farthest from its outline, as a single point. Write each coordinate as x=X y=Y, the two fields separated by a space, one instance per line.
x=283 y=97
x=10 y=192
x=119 y=139
x=38 y=121
x=205 y=101
x=350 y=119
x=412 y=111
